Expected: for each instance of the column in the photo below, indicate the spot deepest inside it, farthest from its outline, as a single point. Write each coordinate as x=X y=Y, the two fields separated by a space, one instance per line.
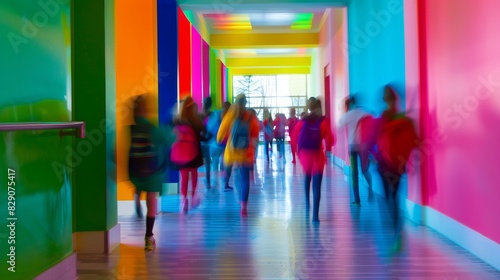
x=94 y=95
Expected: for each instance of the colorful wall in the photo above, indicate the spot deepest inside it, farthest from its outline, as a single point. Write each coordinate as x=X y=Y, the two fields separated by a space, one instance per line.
x=136 y=73
x=35 y=79
x=196 y=69
x=460 y=74
x=199 y=72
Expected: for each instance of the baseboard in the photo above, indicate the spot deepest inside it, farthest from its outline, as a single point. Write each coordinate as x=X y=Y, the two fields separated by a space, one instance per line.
x=170 y=189
x=469 y=239
x=342 y=164
x=65 y=269
x=98 y=241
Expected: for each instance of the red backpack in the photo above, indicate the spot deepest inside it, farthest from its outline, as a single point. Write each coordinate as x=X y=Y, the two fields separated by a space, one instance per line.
x=185 y=147
x=396 y=140
x=366 y=132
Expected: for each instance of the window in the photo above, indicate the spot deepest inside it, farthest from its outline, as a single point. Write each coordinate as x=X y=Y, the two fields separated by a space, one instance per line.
x=278 y=93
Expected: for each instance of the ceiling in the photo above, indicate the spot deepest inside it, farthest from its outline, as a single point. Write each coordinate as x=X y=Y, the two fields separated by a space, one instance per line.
x=260 y=28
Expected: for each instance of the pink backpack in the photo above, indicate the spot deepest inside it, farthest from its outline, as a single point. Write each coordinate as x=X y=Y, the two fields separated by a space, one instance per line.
x=185 y=147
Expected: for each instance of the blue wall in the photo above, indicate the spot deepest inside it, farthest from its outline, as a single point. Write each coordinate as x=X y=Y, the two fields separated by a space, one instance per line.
x=376 y=47
x=376 y=50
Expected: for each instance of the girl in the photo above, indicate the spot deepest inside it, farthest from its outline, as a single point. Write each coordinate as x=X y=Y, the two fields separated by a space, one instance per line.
x=242 y=130
x=309 y=134
x=188 y=116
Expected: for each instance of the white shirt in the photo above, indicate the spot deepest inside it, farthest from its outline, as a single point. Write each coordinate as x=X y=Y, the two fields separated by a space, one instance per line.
x=351 y=119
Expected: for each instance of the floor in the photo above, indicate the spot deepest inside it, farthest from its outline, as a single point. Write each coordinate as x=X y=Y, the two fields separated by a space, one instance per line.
x=278 y=241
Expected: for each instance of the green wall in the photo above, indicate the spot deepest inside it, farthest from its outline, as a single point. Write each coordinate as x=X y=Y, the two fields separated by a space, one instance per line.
x=94 y=91
x=35 y=55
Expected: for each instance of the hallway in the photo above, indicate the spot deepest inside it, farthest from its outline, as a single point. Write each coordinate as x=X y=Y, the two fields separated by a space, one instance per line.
x=278 y=241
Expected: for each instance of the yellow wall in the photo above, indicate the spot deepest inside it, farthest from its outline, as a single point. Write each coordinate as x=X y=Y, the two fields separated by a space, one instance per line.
x=136 y=73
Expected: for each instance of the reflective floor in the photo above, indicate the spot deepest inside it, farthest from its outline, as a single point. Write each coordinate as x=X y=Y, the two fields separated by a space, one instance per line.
x=278 y=241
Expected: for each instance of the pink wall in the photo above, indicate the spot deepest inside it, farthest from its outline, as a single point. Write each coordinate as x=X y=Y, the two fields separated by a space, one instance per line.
x=412 y=78
x=197 y=63
x=334 y=62
x=461 y=101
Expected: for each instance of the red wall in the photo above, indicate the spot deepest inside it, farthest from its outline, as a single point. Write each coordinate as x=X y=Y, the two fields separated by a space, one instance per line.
x=185 y=61
x=460 y=96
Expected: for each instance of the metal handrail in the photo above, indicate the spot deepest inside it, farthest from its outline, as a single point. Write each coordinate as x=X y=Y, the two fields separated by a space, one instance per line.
x=44 y=126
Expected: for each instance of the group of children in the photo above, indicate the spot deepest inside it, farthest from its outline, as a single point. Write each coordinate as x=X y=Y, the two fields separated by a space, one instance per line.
x=233 y=133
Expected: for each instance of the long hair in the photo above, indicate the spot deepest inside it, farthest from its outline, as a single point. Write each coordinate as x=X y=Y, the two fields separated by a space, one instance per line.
x=189 y=115
x=316 y=107
x=238 y=108
x=391 y=97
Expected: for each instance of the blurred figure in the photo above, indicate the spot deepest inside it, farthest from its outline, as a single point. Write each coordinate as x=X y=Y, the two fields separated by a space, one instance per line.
x=242 y=130
x=268 y=132
x=216 y=149
x=253 y=115
x=279 y=125
x=291 y=122
x=205 y=114
x=146 y=165
x=351 y=118
x=310 y=132
x=186 y=122
x=309 y=104
x=395 y=140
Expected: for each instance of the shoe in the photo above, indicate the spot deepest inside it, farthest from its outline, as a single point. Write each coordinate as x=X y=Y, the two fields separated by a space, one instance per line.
x=184 y=206
x=355 y=203
x=150 y=243
x=243 y=211
x=228 y=189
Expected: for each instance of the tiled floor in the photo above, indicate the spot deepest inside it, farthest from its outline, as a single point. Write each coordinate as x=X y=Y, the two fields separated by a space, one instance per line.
x=278 y=241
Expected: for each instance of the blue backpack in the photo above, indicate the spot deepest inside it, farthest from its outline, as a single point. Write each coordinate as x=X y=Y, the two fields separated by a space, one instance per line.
x=240 y=134
x=310 y=134
x=144 y=156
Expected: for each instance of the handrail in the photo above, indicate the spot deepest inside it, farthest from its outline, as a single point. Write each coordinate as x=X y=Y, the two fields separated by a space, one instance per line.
x=44 y=126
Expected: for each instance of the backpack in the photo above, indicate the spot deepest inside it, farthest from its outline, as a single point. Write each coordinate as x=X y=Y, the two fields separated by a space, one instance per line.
x=213 y=125
x=310 y=134
x=185 y=147
x=366 y=132
x=240 y=134
x=396 y=140
x=144 y=155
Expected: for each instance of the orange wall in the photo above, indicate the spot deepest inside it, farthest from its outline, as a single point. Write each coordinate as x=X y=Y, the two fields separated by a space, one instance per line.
x=136 y=73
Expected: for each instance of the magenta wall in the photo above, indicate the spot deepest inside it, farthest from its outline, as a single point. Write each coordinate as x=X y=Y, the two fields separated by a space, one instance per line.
x=460 y=86
x=197 y=66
